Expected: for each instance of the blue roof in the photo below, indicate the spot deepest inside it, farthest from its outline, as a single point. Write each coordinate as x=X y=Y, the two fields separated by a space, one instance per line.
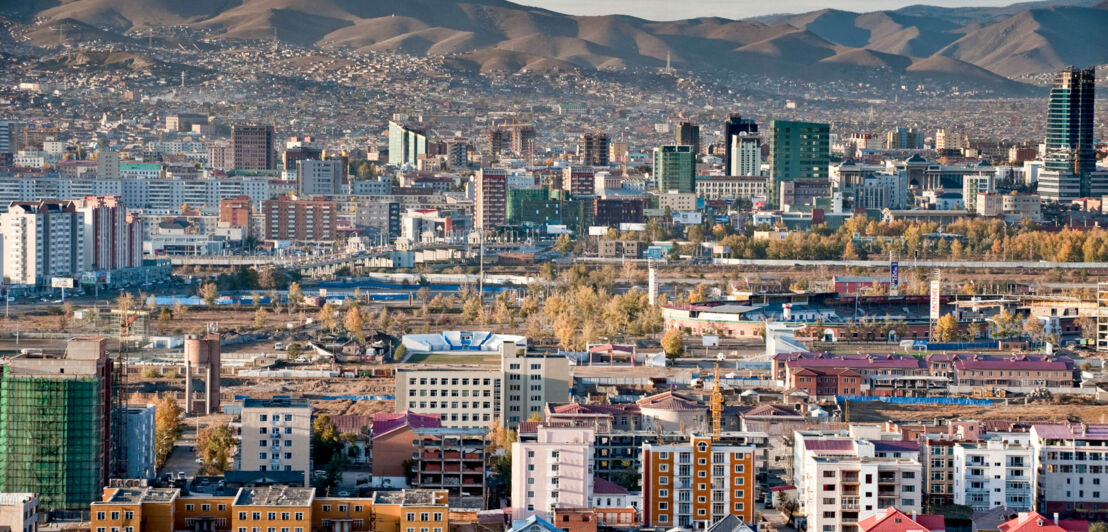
x=519 y=526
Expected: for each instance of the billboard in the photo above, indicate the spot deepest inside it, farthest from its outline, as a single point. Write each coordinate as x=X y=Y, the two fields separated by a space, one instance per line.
x=935 y=297
x=688 y=218
x=894 y=277
x=61 y=282
x=598 y=230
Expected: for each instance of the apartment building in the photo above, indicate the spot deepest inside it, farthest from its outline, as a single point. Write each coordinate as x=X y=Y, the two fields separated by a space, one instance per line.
x=491 y=197
x=996 y=472
x=252 y=147
x=460 y=397
x=300 y=220
x=696 y=484
x=276 y=436
x=41 y=240
x=554 y=471
x=19 y=512
x=730 y=187
x=319 y=178
x=531 y=381
x=1014 y=371
x=579 y=181
x=1071 y=468
x=841 y=480
x=267 y=509
x=112 y=236
x=451 y=460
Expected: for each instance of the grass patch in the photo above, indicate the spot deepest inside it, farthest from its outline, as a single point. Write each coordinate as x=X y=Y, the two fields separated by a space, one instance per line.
x=442 y=358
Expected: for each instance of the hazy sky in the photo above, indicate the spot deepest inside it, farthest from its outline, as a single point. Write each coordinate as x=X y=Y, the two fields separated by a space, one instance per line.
x=736 y=9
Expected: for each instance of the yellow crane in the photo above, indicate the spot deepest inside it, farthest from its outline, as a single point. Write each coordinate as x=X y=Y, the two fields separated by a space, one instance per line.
x=717 y=405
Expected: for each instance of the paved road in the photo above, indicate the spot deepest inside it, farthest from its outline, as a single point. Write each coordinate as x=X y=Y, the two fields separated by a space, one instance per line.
x=181 y=459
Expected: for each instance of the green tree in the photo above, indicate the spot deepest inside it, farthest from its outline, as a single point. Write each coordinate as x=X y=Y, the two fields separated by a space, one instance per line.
x=563 y=244
x=325 y=439
x=213 y=446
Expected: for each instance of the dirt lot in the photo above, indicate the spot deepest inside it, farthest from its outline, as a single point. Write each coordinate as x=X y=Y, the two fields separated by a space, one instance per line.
x=1044 y=412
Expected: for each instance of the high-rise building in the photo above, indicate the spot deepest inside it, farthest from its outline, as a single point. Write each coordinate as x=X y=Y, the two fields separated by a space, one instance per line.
x=319 y=178
x=696 y=484
x=252 y=147
x=593 y=149
x=1069 y=164
x=300 y=220
x=56 y=424
x=523 y=140
x=688 y=134
x=532 y=380
x=202 y=366
x=276 y=436
x=904 y=139
x=1069 y=123
x=139 y=441
x=496 y=138
x=745 y=153
x=112 y=236
x=107 y=164
x=292 y=156
x=735 y=125
x=948 y=139
x=406 y=144
x=12 y=134
x=491 y=198
x=42 y=239
x=553 y=472
x=675 y=168
x=579 y=181
x=797 y=150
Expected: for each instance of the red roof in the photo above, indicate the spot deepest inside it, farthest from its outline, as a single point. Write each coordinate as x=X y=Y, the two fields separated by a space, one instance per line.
x=578 y=408
x=386 y=422
x=829 y=445
x=670 y=401
x=1072 y=431
x=1014 y=362
x=604 y=487
x=1036 y=522
x=893 y=520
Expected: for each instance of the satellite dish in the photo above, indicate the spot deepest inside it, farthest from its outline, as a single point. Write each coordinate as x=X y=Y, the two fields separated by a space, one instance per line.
x=719 y=356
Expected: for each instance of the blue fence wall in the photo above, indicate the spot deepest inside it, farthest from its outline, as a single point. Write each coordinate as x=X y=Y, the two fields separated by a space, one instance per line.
x=915 y=400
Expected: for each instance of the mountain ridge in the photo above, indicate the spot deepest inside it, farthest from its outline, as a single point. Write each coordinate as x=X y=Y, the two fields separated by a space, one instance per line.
x=498 y=35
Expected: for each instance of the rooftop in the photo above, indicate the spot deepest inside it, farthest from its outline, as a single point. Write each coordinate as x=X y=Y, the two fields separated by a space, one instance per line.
x=140 y=495
x=408 y=497
x=275 y=496
x=276 y=403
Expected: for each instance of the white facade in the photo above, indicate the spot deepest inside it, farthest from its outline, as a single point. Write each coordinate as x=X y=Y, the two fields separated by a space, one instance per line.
x=42 y=240
x=972 y=185
x=460 y=397
x=554 y=471
x=996 y=472
x=746 y=155
x=139 y=193
x=276 y=436
x=531 y=381
x=19 y=512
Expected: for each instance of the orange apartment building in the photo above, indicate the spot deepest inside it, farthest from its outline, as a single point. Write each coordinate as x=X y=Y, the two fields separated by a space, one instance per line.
x=268 y=509
x=697 y=484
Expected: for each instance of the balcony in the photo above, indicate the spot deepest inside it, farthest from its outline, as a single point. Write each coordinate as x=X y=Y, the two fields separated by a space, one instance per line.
x=849 y=503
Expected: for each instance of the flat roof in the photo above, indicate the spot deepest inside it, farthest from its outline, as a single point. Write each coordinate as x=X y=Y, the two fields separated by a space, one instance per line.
x=406 y=497
x=140 y=495
x=275 y=496
x=276 y=403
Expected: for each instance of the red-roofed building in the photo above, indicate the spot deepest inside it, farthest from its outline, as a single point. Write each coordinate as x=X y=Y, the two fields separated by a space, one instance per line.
x=1012 y=371
x=392 y=436
x=827 y=383
x=1036 y=522
x=671 y=411
x=893 y=520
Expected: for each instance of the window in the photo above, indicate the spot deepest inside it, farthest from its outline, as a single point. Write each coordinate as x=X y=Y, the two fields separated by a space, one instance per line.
x=343 y=507
x=256 y=516
x=438 y=517
x=221 y=507
x=358 y=508
x=131 y=515
x=272 y=516
x=100 y=516
x=327 y=508
x=188 y=508
x=284 y=516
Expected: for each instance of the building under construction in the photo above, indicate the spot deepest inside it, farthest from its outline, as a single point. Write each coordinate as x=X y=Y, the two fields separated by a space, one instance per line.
x=56 y=424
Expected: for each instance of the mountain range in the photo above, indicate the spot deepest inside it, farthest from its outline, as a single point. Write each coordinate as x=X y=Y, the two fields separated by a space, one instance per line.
x=987 y=46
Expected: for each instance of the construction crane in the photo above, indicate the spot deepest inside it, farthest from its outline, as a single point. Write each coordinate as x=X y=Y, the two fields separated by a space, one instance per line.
x=717 y=405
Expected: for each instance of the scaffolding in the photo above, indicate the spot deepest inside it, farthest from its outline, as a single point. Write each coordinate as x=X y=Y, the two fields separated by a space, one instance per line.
x=51 y=438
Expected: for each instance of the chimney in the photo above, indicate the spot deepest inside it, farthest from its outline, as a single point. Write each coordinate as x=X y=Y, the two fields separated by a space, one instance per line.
x=1055 y=518
x=913 y=515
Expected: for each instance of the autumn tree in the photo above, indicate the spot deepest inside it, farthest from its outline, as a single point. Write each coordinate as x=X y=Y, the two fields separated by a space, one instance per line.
x=65 y=316
x=563 y=244
x=673 y=343
x=260 y=317
x=327 y=317
x=213 y=446
x=209 y=292
x=296 y=296
x=354 y=324
x=167 y=427
x=1033 y=327
x=946 y=329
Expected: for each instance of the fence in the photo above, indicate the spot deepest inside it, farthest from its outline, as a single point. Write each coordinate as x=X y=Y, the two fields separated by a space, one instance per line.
x=960 y=401
x=358 y=397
